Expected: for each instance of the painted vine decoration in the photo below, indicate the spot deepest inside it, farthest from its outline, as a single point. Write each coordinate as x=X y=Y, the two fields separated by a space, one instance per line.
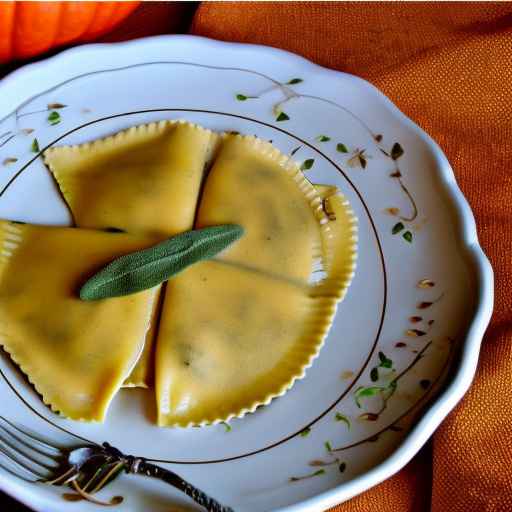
x=381 y=372
x=394 y=426
x=384 y=392
x=357 y=157
x=354 y=158
x=385 y=364
x=53 y=118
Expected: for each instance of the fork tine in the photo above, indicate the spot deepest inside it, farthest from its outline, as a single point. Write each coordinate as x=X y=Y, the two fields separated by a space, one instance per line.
x=35 y=440
x=26 y=450
x=25 y=443
x=18 y=461
x=18 y=475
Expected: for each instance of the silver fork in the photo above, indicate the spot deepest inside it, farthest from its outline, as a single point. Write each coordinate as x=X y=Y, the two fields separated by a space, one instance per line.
x=87 y=468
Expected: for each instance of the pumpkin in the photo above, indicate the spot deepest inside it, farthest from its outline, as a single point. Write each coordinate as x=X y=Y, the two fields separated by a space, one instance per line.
x=30 y=28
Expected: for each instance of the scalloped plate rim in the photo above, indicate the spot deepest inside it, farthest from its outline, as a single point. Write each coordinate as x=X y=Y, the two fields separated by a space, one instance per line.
x=465 y=370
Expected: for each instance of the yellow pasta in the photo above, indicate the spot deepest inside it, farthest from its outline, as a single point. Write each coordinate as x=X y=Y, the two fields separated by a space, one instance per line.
x=76 y=353
x=339 y=242
x=233 y=332
x=145 y=179
x=251 y=183
x=238 y=331
x=232 y=339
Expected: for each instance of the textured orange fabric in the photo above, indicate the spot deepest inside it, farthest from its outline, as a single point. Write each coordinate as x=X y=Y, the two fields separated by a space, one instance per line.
x=449 y=67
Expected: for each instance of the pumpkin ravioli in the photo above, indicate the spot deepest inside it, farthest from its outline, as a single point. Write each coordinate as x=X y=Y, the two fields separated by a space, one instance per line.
x=239 y=330
x=145 y=179
x=253 y=184
x=76 y=353
x=231 y=339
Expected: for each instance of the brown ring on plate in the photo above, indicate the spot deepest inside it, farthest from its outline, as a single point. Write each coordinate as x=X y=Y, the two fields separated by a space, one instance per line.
x=302 y=141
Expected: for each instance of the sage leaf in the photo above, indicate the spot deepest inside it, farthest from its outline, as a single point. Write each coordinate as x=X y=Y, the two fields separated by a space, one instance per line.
x=147 y=268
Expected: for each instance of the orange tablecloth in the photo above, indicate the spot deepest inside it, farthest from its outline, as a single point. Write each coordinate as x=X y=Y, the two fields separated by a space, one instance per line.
x=449 y=67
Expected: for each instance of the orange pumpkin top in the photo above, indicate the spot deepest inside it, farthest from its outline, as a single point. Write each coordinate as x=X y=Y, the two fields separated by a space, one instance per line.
x=30 y=28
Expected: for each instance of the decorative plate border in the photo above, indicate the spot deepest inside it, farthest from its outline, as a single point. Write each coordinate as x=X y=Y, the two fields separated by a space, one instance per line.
x=467 y=231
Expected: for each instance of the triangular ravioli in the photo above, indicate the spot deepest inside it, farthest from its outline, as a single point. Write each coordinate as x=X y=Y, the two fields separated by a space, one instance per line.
x=145 y=180
x=76 y=353
x=142 y=180
x=237 y=331
x=248 y=321
x=252 y=184
x=230 y=340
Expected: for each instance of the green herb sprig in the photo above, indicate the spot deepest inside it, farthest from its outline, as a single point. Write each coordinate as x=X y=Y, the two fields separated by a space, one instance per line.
x=147 y=268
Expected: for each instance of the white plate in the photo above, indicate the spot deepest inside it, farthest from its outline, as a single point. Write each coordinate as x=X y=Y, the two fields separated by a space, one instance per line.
x=109 y=87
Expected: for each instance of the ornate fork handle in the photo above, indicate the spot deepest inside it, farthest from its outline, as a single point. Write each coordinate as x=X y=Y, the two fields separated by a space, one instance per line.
x=141 y=467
